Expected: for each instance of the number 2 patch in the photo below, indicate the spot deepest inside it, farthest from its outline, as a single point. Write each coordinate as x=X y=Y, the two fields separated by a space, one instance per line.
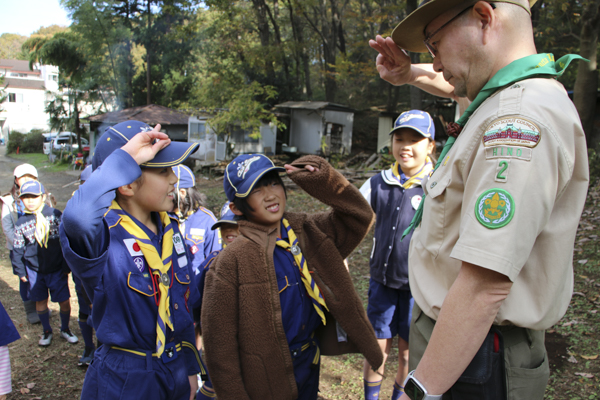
x=502 y=171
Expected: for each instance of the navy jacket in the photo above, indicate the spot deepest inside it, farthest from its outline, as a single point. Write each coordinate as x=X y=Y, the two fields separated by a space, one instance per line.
x=395 y=208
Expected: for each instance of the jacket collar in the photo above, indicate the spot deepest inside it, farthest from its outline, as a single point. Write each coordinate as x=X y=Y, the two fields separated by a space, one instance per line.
x=259 y=233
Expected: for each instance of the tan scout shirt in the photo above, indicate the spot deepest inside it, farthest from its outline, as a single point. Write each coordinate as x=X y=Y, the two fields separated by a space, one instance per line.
x=508 y=197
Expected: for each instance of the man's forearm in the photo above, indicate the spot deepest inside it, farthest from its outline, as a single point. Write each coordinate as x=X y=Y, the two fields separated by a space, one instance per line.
x=463 y=323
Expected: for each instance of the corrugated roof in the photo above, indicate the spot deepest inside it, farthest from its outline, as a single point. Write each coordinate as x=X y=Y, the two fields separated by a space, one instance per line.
x=17 y=66
x=16 y=83
x=314 y=105
x=151 y=114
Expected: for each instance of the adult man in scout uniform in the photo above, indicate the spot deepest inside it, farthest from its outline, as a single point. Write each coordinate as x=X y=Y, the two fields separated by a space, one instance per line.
x=491 y=261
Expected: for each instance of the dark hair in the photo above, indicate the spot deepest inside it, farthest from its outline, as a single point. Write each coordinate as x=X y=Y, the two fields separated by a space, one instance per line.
x=241 y=203
x=192 y=201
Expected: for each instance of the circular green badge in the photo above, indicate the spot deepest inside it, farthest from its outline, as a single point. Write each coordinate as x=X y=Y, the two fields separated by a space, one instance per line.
x=494 y=208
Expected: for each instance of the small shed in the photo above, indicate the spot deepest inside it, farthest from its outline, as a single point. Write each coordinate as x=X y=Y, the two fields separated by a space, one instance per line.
x=174 y=123
x=318 y=127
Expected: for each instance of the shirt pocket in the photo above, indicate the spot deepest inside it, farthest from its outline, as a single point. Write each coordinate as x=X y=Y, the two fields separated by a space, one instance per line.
x=434 y=214
x=140 y=284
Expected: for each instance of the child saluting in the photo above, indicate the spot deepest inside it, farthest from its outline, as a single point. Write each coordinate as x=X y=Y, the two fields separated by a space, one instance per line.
x=128 y=252
x=269 y=292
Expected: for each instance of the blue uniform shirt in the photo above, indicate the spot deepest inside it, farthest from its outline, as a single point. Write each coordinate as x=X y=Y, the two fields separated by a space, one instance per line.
x=199 y=238
x=299 y=316
x=114 y=271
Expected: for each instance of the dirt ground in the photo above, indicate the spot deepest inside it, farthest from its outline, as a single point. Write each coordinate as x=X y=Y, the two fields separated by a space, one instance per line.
x=52 y=372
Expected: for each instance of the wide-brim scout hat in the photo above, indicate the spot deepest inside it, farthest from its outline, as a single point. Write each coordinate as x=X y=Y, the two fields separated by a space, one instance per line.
x=185 y=177
x=410 y=32
x=118 y=135
x=417 y=120
x=34 y=188
x=243 y=172
x=25 y=169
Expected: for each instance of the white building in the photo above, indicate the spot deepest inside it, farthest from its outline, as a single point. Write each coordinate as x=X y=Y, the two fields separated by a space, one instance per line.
x=24 y=108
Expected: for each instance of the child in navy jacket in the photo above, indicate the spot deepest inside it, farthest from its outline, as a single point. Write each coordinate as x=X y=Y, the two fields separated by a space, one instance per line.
x=395 y=195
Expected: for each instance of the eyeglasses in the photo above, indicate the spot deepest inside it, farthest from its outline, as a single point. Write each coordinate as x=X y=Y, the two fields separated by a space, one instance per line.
x=430 y=46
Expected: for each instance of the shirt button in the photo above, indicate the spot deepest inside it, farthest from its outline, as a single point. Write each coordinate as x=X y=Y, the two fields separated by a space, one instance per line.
x=176 y=306
x=393 y=228
x=390 y=247
x=385 y=265
x=397 y=208
x=149 y=287
x=187 y=277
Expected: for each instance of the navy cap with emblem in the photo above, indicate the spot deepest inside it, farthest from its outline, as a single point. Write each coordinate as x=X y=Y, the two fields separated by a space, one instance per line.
x=416 y=120
x=243 y=172
x=32 y=188
x=185 y=177
x=118 y=135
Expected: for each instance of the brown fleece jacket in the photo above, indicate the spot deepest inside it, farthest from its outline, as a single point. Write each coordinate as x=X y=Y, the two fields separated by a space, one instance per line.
x=247 y=353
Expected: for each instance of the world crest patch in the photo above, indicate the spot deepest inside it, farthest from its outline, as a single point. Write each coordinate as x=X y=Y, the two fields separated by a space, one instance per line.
x=494 y=208
x=511 y=131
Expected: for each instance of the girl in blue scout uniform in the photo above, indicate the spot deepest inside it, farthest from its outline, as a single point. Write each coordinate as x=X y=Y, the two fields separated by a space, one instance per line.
x=38 y=259
x=269 y=291
x=133 y=262
x=85 y=305
x=194 y=220
x=395 y=195
x=8 y=334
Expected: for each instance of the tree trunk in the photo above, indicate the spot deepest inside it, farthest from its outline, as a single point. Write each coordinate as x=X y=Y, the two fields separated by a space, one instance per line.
x=585 y=92
x=148 y=59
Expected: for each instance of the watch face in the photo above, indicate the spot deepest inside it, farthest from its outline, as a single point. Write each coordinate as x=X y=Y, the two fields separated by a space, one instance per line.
x=413 y=390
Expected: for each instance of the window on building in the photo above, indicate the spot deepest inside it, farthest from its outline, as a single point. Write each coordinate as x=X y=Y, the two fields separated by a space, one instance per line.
x=198 y=130
x=15 y=97
x=54 y=78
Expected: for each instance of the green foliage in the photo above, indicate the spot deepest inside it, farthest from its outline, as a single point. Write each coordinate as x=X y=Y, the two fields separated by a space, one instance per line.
x=594 y=162
x=10 y=46
x=33 y=142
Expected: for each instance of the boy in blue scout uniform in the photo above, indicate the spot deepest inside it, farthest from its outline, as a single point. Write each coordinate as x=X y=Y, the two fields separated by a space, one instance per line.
x=229 y=231
x=85 y=305
x=194 y=220
x=38 y=259
x=281 y=279
x=395 y=195
x=133 y=263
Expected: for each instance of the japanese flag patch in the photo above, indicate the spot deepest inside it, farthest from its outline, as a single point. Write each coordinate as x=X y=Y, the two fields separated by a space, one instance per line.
x=133 y=248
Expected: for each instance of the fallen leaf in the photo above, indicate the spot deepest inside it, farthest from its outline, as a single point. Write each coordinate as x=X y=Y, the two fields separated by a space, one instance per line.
x=572 y=360
x=24 y=390
x=30 y=385
x=582 y=261
x=584 y=374
x=595 y=356
x=583 y=276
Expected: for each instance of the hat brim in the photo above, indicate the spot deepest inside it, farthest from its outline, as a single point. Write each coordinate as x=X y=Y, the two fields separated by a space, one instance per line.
x=175 y=153
x=249 y=183
x=410 y=32
x=222 y=222
x=410 y=127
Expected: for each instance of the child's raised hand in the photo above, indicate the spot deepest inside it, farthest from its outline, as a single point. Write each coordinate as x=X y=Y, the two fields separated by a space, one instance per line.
x=289 y=168
x=144 y=146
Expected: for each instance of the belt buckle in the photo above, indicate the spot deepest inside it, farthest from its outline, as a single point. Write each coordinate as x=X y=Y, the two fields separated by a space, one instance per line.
x=170 y=353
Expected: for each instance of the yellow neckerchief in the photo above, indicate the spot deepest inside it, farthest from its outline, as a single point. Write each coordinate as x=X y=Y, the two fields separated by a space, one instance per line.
x=42 y=227
x=309 y=283
x=159 y=266
x=416 y=179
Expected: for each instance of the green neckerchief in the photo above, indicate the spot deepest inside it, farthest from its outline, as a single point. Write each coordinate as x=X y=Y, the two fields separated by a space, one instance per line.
x=534 y=66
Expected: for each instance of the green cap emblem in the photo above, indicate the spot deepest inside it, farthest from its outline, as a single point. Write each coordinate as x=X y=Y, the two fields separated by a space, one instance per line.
x=494 y=208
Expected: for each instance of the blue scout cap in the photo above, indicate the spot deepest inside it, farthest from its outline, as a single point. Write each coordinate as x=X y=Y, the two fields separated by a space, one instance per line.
x=416 y=120
x=227 y=218
x=32 y=188
x=117 y=136
x=244 y=171
x=86 y=173
x=185 y=177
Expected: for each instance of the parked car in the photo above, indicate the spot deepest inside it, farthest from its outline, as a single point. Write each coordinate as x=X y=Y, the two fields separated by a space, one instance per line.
x=62 y=141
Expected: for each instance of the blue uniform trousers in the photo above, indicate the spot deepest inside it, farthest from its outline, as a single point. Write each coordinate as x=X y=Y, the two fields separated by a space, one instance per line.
x=116 y=374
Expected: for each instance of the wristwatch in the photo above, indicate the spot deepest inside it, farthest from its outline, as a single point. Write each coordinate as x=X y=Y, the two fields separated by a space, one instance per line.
x=415 y=389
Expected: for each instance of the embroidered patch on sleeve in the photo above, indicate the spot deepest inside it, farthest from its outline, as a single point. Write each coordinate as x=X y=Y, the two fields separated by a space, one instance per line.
x=512 y=131
x=520 y=153
x=494 y=208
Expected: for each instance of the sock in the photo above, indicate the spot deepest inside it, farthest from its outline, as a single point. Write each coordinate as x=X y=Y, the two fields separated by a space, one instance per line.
x=64 y=321
x=398 y=390
x=206 y=392
x=88 y=334
x=372 y=389
x=45 y=320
